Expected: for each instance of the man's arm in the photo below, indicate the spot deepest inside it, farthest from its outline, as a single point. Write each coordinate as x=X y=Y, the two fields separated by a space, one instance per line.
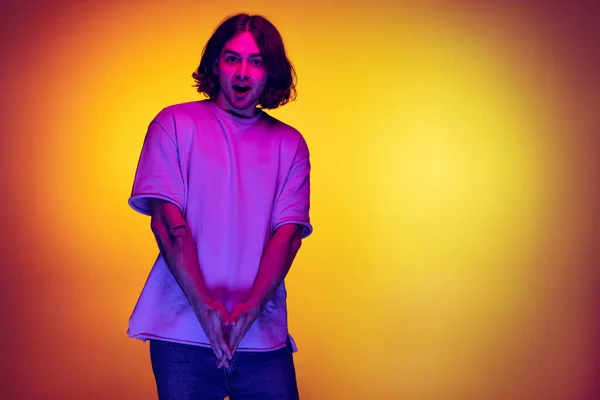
x=177 y=246
x=274 y=266
x=275 y=263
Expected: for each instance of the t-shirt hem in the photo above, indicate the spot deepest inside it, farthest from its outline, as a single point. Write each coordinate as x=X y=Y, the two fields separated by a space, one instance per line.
x=139 y=202
x=307 y=227
x=148 y=336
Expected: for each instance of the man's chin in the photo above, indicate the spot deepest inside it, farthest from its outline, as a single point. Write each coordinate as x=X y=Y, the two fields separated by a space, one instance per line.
x=245 y=109
x=243 y=105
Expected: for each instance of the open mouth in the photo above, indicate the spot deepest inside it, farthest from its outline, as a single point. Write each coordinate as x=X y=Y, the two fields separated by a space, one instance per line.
x=241 y=88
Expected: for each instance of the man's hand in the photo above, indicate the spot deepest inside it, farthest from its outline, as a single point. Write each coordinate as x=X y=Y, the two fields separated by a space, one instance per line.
x=215 y=322
x=242 y=318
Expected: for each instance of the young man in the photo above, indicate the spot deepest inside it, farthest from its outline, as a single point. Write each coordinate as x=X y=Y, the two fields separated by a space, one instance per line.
x=228 y=191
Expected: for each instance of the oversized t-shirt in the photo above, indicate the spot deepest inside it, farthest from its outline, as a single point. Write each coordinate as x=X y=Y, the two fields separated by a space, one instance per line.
x=236 y=181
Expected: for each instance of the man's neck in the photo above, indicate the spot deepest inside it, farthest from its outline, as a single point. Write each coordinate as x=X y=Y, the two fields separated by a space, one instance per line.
x=236 y=114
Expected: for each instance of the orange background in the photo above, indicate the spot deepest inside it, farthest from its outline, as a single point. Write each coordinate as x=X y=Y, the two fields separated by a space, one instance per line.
x=454 y=187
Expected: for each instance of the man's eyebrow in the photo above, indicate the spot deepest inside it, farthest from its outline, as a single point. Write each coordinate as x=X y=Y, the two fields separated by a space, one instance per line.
x=252 y=55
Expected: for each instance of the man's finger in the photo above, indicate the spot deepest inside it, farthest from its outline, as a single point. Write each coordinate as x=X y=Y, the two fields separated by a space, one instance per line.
x=236 y=332
x=232 y=338
x=216 y=348
x=235 y=345
x=220 y=338
x=217 y=342
x=221 y=362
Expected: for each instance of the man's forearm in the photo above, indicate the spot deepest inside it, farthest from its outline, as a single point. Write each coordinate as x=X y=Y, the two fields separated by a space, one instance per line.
x=275 y=263
x=177 y=246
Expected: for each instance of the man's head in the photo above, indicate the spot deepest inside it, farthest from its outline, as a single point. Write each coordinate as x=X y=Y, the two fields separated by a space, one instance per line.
x=244 y=64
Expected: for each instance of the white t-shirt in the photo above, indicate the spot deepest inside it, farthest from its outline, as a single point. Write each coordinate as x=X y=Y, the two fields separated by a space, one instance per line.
x=236 y=181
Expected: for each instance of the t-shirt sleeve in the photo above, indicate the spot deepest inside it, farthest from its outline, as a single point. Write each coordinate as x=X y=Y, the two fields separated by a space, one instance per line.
x=293 y=203
x=158 y=173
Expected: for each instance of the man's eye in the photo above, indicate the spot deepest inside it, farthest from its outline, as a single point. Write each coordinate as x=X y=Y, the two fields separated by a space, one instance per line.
x=231 y=59
x=257 y=63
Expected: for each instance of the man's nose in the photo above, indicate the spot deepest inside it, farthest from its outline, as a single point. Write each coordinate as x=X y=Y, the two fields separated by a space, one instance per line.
x=242 y=72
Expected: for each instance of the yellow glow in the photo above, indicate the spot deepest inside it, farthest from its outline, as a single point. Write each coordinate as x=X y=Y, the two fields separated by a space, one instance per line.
x=444 y=240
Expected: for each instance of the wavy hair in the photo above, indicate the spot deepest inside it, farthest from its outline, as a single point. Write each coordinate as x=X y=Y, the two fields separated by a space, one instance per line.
x=281 y=77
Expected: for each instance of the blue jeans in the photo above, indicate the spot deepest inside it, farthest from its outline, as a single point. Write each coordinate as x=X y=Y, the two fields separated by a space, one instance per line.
x=185 y=372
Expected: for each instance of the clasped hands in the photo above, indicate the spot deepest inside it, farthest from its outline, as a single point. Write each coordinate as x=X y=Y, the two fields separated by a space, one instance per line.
x=225 y=332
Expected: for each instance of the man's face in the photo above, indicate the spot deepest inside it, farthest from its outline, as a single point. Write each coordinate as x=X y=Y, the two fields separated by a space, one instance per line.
x=241 y=74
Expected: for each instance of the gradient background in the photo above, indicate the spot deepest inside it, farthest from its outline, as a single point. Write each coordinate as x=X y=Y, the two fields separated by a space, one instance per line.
x=454 y=187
